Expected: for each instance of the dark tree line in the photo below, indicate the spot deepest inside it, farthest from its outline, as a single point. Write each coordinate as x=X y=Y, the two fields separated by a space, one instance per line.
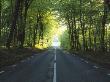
x=16 y=26
x=22 y=22
x=88 y=24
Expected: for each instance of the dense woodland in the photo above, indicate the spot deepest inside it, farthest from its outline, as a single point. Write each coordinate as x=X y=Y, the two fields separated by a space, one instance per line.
x=25 y=23
x=88 y=24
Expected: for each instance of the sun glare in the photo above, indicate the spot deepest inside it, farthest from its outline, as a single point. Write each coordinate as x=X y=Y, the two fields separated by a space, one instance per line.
x=56 y=42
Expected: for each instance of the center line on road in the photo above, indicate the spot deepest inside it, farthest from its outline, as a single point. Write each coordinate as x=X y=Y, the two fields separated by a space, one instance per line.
x=54 y=76
x=55 y=55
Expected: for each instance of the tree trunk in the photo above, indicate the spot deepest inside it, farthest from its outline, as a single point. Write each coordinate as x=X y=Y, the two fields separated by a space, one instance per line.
x=103 y=27
x=14 y=21
x=0 y=17
x=27 y=4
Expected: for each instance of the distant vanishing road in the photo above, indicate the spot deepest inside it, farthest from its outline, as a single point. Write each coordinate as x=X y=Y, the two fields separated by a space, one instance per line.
x=54 y=65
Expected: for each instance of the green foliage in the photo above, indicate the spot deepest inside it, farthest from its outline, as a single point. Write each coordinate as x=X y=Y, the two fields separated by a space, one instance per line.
x=65 y=41
x=38 y=21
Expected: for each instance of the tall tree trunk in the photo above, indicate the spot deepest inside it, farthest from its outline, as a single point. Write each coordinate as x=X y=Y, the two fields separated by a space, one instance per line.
x=27 y=4
x=104 y=19
x=82 y=25
x=34 y=35
x=14 y=21
x=90 y=21
x=75 y=33
x=35 y=31
x=0 y=17
x=72 y=32
x=69 y=28
x=21 y=24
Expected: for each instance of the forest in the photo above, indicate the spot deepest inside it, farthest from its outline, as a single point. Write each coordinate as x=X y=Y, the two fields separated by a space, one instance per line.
x=33 y=23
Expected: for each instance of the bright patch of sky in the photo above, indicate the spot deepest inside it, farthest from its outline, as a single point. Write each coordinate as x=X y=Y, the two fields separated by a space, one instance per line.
x=61 y=29
x=56 y=42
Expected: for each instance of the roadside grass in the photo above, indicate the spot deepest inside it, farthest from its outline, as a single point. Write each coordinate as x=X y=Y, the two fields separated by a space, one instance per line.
x=99 y=57
x=15 y=55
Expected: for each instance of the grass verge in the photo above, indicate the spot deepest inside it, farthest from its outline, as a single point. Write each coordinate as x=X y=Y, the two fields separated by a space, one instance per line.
x=12 y=56
x=101 y=58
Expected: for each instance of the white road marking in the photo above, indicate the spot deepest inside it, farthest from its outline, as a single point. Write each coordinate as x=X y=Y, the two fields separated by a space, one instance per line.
x=96 y=67
x=2 y=72
x=86 y=61
x=54 y=76
x=108 y=74
x=55 y=55
x=13 y=65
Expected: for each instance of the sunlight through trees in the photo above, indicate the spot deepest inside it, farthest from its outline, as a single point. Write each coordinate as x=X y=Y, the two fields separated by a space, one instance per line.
x=82 y=24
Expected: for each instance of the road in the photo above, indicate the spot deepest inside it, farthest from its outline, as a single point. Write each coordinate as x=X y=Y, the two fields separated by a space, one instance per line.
x=54 y=65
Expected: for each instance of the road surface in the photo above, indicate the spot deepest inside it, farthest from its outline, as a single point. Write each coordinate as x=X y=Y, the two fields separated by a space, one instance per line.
x=54 y=65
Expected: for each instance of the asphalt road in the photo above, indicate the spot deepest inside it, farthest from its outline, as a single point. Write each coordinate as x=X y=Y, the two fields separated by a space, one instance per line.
x=54 y=65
